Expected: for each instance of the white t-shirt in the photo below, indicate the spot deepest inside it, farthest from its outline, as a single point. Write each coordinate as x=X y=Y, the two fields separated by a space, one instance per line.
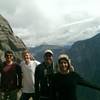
x=28 y=72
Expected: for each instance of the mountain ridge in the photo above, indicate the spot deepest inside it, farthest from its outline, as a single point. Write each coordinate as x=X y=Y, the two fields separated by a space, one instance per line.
x=85 y=56
x=9 y=40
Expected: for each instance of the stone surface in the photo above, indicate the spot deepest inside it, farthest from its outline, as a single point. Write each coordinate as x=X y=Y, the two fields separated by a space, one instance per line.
x=9 y=40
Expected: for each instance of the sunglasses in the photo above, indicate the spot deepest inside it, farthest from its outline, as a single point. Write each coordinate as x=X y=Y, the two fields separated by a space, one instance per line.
x=9 y=55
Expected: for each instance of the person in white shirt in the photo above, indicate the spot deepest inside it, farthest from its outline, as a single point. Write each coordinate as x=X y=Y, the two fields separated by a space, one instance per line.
x=28 y=70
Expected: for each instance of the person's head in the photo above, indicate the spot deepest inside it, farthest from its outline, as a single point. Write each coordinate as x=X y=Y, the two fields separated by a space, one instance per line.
x=48 y=56
x=64 y=64
x=26 y=55
x=9 y=56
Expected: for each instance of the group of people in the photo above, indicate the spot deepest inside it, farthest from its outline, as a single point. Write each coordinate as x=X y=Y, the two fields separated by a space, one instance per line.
x=40 y=80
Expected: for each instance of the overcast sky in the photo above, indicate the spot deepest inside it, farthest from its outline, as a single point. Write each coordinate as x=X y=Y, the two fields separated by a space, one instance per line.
x=51 y=21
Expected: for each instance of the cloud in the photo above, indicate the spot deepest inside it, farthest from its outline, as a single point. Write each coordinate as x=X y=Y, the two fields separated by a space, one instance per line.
x=49 y=21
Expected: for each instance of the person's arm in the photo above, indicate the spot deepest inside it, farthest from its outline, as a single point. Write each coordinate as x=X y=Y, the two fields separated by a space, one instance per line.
x=37 y=92
x=52 y=92
x=2 y=64
x=19 y=74
x=88 y=84
x=0 y=74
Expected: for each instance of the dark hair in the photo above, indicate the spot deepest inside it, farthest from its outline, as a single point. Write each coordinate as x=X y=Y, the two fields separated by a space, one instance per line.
x=9 y=52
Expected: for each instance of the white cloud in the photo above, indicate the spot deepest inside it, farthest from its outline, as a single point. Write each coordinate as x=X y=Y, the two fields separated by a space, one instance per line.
x=40 y=21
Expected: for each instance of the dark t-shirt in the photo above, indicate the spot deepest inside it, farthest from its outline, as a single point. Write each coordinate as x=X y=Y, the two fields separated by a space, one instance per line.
x=43 y=74
x=10 y=76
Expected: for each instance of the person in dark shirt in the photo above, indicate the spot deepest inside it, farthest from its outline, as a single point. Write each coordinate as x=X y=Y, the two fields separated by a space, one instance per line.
x=11 y=77
x=43 y=74
x=64 y=83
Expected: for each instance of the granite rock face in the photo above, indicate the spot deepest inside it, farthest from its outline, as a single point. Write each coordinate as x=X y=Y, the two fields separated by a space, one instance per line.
x=8 y=40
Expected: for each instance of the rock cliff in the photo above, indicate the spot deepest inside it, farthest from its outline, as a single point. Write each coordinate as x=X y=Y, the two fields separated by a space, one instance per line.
x=8 y=40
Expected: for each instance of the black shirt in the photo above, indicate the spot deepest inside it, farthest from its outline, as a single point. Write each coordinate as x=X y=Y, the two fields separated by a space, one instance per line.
x=63 y=87
x=43 y=74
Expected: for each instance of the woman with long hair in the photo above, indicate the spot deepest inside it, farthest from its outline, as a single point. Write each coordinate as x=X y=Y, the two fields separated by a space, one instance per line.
x=64 y=82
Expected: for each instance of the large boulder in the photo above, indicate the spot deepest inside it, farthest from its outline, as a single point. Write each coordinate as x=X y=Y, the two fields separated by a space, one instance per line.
x=8 y=40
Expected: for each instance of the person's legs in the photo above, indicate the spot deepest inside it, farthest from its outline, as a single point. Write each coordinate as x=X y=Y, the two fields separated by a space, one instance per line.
x=32 y=95
x=25 y=96
x=5 y=96
x=19 y=93
x=44 y=98
x=2 y=96
x=12 y=95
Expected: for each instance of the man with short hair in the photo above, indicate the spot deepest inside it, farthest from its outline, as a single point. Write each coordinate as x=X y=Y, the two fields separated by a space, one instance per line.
x=43 y=74
x=11 y=77
x=28 y=66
